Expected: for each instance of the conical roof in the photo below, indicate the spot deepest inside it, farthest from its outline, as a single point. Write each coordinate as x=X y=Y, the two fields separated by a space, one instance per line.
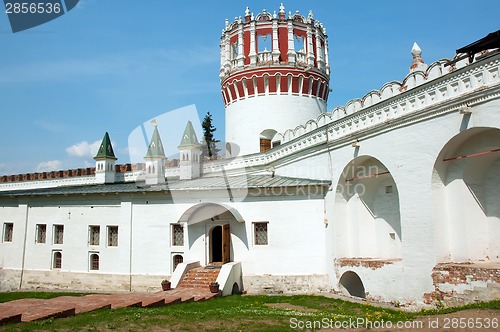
x=189 y=137
x=155 y=149
x=105 y=150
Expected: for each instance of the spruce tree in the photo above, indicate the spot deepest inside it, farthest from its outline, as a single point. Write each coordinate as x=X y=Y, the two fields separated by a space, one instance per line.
x=210 y=149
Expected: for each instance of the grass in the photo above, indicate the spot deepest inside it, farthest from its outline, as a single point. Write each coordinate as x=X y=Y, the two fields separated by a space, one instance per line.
x=233 y=313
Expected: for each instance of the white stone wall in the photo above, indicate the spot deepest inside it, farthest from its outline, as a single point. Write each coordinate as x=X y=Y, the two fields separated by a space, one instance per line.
x=247 y=118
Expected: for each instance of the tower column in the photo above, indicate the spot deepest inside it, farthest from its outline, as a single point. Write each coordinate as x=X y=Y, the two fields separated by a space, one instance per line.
x=276 y=50
x=319 y=52
x=253 y=54
x=241 y=57
x=310 y=52
x=227 y=63
x=327 y=63
x=291 y=46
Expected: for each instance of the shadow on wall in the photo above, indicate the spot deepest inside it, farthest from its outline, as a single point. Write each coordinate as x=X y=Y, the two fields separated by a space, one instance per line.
x=466 y=192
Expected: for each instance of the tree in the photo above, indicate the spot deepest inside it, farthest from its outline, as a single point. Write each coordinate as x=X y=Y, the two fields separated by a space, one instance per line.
x=210 y=149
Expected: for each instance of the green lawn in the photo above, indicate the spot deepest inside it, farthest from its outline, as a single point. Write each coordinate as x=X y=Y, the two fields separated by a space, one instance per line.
x=233 y=313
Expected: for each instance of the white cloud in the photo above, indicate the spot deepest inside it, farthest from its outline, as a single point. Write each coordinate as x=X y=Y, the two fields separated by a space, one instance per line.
x=46 y=166
x=84 y=149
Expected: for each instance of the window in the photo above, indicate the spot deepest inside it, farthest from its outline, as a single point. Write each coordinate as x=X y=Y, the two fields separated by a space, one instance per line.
x=94 y=262
x=41 y=233
x=112 y=236
x=94 y=233
x=177 y=235
x=58 y=234
x=57 y=261
x=260 y=233
x=177 y=260
x=388 y=189
x=8 y=231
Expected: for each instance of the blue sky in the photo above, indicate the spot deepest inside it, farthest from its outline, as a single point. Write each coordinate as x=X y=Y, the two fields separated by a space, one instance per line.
x=111 y=65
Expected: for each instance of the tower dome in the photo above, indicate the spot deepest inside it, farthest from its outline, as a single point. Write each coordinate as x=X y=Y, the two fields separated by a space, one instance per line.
x=274 y=76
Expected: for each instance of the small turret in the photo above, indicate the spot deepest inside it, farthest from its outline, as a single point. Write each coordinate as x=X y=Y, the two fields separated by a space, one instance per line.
x=105 y=162
x=189 y=154
x=155 y=160
x=418 y=63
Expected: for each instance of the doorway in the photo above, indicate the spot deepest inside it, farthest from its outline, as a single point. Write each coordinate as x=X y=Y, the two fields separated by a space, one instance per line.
x=220 y=244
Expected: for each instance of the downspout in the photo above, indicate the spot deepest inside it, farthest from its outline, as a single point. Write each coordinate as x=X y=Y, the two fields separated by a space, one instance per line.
x=24 y=247
x=130 y=246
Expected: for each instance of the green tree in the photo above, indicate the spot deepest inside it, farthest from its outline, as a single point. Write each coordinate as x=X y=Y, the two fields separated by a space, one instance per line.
x=210 y=149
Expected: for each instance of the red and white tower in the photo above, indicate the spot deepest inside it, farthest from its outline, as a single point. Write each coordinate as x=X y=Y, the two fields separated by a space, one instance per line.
x=274 y=76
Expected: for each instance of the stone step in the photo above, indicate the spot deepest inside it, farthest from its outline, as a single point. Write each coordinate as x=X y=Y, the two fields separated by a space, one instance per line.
x=26 y=310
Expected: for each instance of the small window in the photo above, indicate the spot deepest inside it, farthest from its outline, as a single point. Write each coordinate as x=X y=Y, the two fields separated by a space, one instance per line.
x=112 y=236
x=58 y=234
x=57 y=261
x=260 y=233
x=94 y=234
x=276 y=143
x=41 y=233
x=8 y=231
x=177 y=260
x=94 y=262
x=177 y=235
x=388 y=189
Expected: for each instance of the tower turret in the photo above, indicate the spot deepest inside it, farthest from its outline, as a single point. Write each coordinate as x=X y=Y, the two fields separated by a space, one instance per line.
x=155 y=160
x=274 y=75
x=105 y=162
x=189 y=154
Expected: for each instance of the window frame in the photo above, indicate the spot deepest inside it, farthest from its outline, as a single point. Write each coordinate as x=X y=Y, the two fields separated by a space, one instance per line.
x=91 y=261
x=92 y=240
x=53 y=265
x=8 y=232
x=173 y=233
x=109 y=241
x=255 y=231
x=56 y=233
x=37 y=234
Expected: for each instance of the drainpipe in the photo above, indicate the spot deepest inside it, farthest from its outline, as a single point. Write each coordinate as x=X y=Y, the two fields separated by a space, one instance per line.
x=130 y=247
x=24 y=246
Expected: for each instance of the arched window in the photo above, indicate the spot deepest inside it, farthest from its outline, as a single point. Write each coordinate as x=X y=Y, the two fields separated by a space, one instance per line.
x=94 y=262
x=177 y=260
x=57 y=262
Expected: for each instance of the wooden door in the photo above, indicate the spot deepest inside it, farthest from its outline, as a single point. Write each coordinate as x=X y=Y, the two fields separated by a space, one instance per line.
x=226 y=242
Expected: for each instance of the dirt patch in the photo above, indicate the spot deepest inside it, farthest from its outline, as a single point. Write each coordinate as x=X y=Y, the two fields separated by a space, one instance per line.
x=479 y=320
x=289 y=306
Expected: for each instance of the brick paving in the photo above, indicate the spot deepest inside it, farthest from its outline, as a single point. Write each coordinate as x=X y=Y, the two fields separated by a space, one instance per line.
x=27 y=310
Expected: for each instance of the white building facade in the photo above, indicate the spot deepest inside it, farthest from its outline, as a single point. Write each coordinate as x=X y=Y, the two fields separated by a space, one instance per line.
x=394 y=196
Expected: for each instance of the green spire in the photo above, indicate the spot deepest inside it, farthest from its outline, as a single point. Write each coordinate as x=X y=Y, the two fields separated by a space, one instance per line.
x=155 y=149
x=105 y=150
x=189 y=137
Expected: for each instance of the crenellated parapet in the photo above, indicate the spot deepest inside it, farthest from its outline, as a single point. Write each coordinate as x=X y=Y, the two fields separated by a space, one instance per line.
x=442 y=80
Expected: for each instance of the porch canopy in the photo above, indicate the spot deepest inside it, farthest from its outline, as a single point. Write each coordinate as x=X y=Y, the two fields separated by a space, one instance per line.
x=209 y=211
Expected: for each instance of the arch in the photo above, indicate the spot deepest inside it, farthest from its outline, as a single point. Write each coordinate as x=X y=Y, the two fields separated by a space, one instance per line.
x=94 y=262
x=203 y=211
x=466 y=192
x=351 y=282
x=176 y=260
x=57 y=261
x=367 y=213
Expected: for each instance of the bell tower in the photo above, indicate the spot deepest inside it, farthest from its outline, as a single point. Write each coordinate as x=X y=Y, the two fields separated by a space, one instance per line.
x=274 y=75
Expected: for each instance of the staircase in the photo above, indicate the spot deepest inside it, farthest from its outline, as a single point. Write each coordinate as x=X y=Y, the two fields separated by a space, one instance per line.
x=27 y=310
x=199 y=277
